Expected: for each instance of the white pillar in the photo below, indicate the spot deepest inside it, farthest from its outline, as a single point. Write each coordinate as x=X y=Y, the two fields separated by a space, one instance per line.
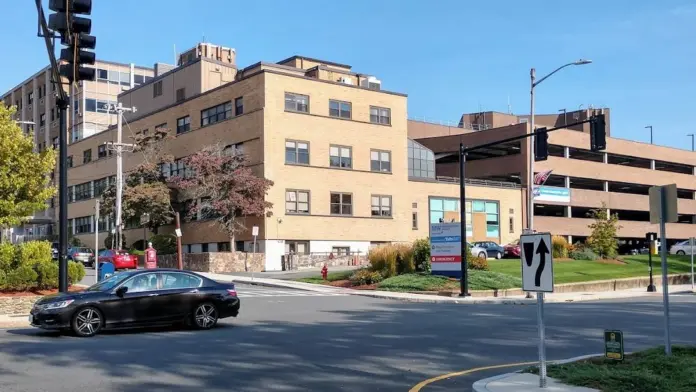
x=566 y=152
x=132 y=75
x=605 y=157
x=567 y=182
x=606 y=186
x=570 y=239
x=652 y=164
x=569 y=212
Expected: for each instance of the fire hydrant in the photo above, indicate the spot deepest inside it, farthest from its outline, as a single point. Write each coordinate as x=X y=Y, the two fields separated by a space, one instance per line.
x=324 y=272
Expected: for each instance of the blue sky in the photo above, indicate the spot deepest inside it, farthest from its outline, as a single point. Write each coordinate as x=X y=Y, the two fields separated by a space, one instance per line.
x=450 y=57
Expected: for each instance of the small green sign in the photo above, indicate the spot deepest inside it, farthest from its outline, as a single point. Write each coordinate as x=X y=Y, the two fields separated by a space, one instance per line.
x=614 y=345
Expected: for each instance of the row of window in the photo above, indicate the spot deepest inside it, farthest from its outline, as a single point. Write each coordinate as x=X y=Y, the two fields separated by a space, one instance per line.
x=297 y=153
x=447 y=210
x=340 y=109
x=90 y=189
x=122 y=78
x=298 y=202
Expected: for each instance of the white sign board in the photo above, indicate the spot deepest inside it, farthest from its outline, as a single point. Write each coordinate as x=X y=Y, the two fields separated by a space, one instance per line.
x=255 y=231
x=177 y=232
x=537 y=262
x=446 y=249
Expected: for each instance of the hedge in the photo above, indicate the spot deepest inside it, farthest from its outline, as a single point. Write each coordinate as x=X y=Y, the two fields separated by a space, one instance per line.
x=30 y=266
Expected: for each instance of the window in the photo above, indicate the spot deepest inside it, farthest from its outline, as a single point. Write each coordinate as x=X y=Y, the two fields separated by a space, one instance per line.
x=42 y=119
x=183 y=124
x=101 y=151
x=340 y=156
x=87 y=156
x=296 y=202
x=180 y=94
x=414 y=220
x=41 y=91
x=204 y=209
x=83 y=224
x=83 y=191
x=239 y=106
x=380 y=115
x=297 y=247
x=234 y=149
x=381 y=205
x=55 y=146
x=141 y=283
x=157 y=89
x=296 y=152
x=102 y=74
x=98 y=105
x=380 y=161
x=421 y=161
x=340 y=250
x=125 y=78
x=339 y=109
x=177 y=280
x=511 y=222
x=70 y=162
x=162 y=126
x=177 y=168
x=492 y=221
x=53 y=114
x=30 y=98
x=204 y=247
x=105 y=224
x=100 y=186
x=216 y=114
x=341 y=204
x=138 y=79
x=223 y=246
x=297 y=102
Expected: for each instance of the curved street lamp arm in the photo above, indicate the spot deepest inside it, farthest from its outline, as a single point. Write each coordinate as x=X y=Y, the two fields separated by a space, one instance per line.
x=554 y=71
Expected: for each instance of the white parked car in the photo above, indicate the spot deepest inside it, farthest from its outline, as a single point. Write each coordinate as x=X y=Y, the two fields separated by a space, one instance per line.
x=478 y=251
x=681 y=248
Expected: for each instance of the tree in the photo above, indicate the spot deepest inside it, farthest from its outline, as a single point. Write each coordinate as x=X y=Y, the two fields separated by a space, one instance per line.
x=230 y=189
x=145 y=189
x=25 y=183
x=603 y=241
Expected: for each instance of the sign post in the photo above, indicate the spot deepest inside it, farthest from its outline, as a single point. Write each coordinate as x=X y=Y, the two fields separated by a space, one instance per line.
x=537 y=276
x=663 y=209
x=691 y=245
x=651 y=237
x=613 y=345
x=96 y=242
x=446 y=249
x=144 y=219
x=255 y=233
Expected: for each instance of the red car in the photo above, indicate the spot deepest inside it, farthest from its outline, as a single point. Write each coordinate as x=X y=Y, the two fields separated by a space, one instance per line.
x=120 y=259
x=513 y=249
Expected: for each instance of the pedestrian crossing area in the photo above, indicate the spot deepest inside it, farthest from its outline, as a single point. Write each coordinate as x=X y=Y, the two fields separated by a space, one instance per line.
x=261 y=292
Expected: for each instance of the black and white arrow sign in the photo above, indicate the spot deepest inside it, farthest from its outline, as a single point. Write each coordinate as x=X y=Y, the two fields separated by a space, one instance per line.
x=537 y=262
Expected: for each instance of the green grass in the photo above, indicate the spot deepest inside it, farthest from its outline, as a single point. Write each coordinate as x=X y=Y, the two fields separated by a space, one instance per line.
x=583 y=271
x=478 y=280
x=646 y=371
x=330 y=277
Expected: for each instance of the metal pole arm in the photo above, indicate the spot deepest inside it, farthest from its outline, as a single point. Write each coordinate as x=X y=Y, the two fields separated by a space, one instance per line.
x=553 y=72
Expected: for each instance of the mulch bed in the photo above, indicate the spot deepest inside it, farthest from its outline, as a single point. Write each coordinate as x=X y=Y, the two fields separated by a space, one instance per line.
x=346 y=284
x=36 y=292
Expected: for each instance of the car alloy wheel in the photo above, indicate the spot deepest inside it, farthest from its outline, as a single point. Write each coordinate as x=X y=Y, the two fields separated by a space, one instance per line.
x=498 y=255
x=87 y=322
x=681 y=252
x=482 y=255
x=205 y=316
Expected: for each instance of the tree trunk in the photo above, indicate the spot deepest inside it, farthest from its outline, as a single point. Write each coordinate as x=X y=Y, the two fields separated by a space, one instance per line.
x=155 y=230
x=232 y=243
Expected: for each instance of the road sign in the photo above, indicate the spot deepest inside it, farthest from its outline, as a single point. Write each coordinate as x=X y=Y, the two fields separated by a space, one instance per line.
x=446 y=249
x=614 y=345
x=144 y=218
x=537 y=262
x=669 y=193
x=255 y=231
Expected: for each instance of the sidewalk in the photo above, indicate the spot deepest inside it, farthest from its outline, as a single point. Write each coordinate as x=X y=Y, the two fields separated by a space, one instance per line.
x=14 y=321
x=429 y=298
x=295 y=274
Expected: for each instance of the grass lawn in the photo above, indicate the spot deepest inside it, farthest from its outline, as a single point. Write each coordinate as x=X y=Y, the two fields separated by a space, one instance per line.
x=646 y=371
x=583 y=271
x=330 y=277
x=478 y=280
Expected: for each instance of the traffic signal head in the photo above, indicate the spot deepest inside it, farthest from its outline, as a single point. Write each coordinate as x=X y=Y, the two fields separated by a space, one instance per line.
x=541 y=145
x=598 y=133
x=64 y=20
x=74 y=31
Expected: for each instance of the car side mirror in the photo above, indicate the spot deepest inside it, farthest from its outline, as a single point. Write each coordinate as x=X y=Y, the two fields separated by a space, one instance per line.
x=121 y=291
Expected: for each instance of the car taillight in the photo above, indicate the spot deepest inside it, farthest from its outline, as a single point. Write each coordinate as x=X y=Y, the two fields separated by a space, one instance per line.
x=232 y=292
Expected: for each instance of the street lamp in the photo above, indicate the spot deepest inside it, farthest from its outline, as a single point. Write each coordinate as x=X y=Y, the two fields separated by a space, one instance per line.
x=651 y=133
x=692 y=141
x=530 y=183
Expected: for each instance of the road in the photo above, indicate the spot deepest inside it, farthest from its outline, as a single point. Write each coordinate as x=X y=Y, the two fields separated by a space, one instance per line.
x=286 y=340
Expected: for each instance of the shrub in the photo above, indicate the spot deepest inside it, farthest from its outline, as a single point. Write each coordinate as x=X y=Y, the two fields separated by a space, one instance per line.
x=21 y=278
x=76 y=272
x=7 y=256
x=34 y=252
x=47 y=275
x=478 y=263
x=165 y=244
x=604 y=231
x=421 y=255
x=383 y=260
x=559 y=247
x=404 y=259
x=364 y=276
x=583 y=254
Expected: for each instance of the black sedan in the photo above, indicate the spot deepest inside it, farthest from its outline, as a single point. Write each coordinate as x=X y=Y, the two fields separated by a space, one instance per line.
x=138 y=298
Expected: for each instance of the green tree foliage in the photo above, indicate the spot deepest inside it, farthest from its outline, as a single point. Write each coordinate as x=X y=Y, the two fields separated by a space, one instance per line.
x=28 y=266
x=24 y=174
x=421 y=254
x=603 y=241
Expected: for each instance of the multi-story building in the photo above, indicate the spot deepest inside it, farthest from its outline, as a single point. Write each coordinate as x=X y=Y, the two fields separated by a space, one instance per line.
x=35 y=100
x=580 y=180
x=335 y=144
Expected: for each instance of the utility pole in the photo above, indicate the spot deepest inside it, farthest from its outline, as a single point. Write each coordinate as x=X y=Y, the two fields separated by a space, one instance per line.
x=119 y=147
x=96 y=241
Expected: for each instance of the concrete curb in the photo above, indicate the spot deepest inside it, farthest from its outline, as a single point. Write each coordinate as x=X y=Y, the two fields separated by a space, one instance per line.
x=481 y=385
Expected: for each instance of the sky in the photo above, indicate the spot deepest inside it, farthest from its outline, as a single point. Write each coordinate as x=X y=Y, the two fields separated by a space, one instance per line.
x=449 y=56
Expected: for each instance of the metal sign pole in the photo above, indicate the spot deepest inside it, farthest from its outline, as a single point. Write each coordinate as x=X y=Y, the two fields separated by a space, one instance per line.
x=542 y=340
x=96 y=242
x=692 y=263
x=663 y=256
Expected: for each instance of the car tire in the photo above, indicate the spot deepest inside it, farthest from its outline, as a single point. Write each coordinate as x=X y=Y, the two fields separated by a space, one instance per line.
x=681 y=252
x=204 y=316
x=482 y=255
x=498 y=256
x=87 y=322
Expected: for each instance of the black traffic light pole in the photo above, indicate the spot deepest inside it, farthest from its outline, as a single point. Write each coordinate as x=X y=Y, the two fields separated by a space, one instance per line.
x=597 y=142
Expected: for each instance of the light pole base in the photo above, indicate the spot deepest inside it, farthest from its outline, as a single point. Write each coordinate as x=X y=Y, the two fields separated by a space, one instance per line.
x=465 y=294
x=651 y=288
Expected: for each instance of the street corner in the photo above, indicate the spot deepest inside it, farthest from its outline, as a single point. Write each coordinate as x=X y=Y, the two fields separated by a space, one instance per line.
x=464 y=379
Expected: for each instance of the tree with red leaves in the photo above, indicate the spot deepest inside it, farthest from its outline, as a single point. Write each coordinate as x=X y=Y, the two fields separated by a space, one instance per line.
x=230 y=190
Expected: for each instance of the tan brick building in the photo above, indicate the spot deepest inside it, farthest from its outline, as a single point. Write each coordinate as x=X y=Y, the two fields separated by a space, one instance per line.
x=335 y=144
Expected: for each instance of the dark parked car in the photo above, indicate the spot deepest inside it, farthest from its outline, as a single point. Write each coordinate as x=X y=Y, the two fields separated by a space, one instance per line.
x=492 y=249
x=138 y=298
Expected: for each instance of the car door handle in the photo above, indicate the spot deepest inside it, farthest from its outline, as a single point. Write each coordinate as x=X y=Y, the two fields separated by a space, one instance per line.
x=193 y=291
x=152 y=295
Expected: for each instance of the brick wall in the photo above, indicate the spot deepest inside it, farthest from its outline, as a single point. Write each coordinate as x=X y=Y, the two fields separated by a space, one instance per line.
x=313 y=260
x=216 y=262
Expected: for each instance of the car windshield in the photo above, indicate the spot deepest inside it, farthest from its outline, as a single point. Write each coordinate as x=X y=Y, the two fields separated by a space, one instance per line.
x=122 y=252
x=110 y=282
x=83 y=250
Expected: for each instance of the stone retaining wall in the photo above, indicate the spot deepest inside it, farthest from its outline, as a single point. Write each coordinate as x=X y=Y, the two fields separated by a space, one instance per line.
x=313 y=260
x=216 y=262
x=17 y=305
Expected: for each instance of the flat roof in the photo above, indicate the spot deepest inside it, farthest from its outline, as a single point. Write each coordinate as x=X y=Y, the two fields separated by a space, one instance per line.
x=315 y=60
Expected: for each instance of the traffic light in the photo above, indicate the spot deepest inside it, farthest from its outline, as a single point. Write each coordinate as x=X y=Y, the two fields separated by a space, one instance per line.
x=541 y=145
x=598 y=133
x=74 y=31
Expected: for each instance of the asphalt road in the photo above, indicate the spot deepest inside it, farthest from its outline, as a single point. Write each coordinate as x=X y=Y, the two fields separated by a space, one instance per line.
x=287 y=340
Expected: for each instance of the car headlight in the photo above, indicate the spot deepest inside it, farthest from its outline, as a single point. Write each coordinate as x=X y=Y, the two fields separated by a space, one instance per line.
x=58 y=305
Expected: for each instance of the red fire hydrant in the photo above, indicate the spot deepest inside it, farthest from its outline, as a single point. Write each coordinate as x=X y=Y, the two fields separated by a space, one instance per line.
x=150 y=257
x=324 y=272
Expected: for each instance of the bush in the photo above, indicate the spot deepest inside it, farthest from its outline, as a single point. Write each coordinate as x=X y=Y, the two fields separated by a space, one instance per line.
x=383 y=260
x=7 y=257
x=29 y=266
x=47 y=275
x=478 y=263
x=21 y=278
x=76 y=272
x=165 y=244
x=364 y=276
x=421 y=255
x=559 y=247
x=404 y=259
x=583 y=254
x=34 y=252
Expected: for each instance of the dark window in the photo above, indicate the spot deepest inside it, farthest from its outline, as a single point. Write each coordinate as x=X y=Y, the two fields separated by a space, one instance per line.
x=239 y=106
x=55 y=146
x=177 y=280
x=414 y=220
x=53 y=114
x=380 y=161
x=180 y=94
x=340 y=156
x=42 y=119
x=83 y=224
x=296 y=102
x=100 y=186
x=340 y=250
x=125 y=78
x=380 y=115
x=161 y=126
x=102 y=74
x=30 y=98
x=71 y=194
x=216 y=113
x=83 y=191
x=341 y=204
x=87 y=156
x=381 y=205
x=138 y=79
x=204 y=247
x=101 y=151
x=297 y=202
x=223 y=246
x=91 y=105
x=183 y=124
x=297 y=247
x=340 y=109
x=157 y=89
x=70 y=161
x=296 y=152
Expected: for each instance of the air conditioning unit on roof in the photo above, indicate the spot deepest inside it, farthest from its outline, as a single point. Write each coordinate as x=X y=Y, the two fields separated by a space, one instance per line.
x=372 y=83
